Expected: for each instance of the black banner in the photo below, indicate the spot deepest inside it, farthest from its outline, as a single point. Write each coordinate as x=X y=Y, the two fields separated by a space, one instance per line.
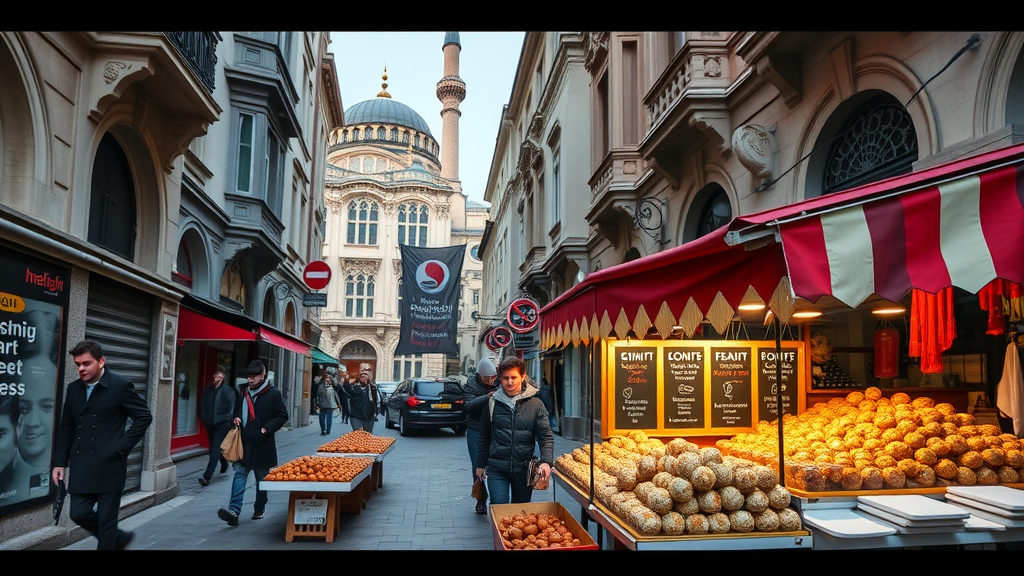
x=430 y=300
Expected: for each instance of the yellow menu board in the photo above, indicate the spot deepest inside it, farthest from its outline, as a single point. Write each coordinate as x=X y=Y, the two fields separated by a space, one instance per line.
x=698 y=387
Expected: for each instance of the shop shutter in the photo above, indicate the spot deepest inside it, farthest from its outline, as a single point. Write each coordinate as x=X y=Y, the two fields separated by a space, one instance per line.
x=120 y=318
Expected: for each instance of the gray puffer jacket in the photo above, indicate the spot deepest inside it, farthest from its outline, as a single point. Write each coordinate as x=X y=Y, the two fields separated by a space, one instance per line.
x=512 y=430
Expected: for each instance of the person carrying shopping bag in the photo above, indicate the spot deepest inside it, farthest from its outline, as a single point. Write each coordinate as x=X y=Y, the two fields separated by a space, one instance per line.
x=327 y=401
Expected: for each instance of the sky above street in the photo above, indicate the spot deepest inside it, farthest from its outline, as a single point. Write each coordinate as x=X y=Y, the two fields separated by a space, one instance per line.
x=415 y=64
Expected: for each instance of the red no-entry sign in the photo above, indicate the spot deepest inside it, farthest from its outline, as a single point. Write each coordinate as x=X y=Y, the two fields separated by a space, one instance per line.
x=317 y=274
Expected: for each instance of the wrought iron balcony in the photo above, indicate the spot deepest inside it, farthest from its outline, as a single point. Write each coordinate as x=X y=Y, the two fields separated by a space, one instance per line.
x=199 y=50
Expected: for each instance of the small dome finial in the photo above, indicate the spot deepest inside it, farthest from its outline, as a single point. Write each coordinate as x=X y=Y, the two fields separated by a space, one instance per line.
x=384 y=85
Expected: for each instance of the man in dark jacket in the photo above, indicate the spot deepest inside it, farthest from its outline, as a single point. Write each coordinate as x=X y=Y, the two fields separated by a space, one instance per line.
x=477 y=392
x=515 y=421
x=260 y=412
x=217 y=410
x=102 y=403
x=363 y=402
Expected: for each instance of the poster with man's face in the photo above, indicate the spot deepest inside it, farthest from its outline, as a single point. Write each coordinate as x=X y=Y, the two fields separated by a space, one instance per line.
x=33 y=303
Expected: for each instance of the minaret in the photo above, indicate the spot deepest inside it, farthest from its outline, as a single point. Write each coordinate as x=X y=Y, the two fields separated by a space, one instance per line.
x=451 y=91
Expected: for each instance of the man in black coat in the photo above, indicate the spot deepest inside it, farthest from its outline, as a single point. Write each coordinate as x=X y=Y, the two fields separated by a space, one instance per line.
x=217 y=411
x=260 y=412
x=94 y=443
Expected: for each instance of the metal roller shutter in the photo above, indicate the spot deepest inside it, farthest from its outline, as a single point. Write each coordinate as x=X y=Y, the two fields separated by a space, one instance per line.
x=120 y=318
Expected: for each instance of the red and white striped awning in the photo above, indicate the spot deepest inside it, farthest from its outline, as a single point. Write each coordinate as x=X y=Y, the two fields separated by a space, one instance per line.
x=960 y=224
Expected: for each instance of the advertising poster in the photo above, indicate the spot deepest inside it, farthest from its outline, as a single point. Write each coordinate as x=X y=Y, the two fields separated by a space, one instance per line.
x=33 y=303
x=431 y=282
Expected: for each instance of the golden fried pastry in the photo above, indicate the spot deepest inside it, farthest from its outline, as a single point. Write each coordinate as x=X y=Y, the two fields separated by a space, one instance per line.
x=885 y=461
x=986 y=475
x=972 y=459
x=1007 y=475
x=741 y=521
x=922 y=402
x=965 y=476
x=873 y=393
x=687 y=507
x=855 y=397
x=932 y=430
x=867 y=407
x=945 y=408
x=673 y=524
x=900 y=398
x=939 y=446
x=849 y=479
x=926 y=477
x=957 y=444
x=945 y=468
x=1015 y=458
x=812 y=479
x=732 y=498
x=723 y=474
x=766 y=520
x=757 y=501
x=709 y=501
x=697 y=524
x=909 y=467
x=915 y=440
x=964 y=419
x=989 y=430
x=994 y=457
x=745 y=480
x=977 y=443
x=789 y=520
x=884 y=421
x=703 y=478
x=926 y=456
x=871 y=478
x=899 y=450
x=893 y=477
x=767 y=477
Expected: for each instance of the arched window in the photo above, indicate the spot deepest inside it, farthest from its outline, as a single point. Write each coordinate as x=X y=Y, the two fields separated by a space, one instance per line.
x=878 y=141
x=394 y=134
x=405 y=136
x=182 y=273
x=367 y=165
x=359 y=296
x=416 y=141
x=355 y=134
x=232 y=288
x=362 y=222
x=380 y=133
x=112 y=216
x=344 y=136
x=716 y=213
x=412 y=224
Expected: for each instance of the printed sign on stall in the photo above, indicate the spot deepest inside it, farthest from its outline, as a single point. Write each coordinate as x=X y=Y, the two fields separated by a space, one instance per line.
x=698 y=387
x=310 y=511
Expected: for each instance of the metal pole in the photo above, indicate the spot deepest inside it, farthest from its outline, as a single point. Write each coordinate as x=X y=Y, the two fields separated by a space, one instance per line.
x=778 y=394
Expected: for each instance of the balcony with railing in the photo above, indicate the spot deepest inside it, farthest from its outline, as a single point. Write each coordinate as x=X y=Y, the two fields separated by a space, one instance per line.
x=199 y=51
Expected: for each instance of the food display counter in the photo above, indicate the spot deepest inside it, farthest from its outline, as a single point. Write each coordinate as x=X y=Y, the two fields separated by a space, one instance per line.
x=619 y=535
x=377 y=470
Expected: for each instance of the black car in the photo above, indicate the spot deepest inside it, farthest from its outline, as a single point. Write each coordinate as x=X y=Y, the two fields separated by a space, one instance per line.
x=426 y=403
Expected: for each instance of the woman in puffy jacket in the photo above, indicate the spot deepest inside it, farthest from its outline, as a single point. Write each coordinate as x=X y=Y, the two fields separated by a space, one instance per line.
x=514 y=423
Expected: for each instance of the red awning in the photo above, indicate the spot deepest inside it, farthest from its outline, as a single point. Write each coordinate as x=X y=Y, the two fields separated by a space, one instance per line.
x=676 y=287
x=959 y=224
x=284 y=341
x=195 y=326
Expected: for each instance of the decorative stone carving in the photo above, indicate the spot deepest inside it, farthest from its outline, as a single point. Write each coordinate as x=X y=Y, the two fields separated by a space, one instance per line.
x=595 y=47
x=754 y=146
x=113 y=69
x=363 y=266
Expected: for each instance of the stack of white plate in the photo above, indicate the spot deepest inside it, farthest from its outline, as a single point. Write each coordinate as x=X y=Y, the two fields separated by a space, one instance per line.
x=914 y=513
x=1000 y=504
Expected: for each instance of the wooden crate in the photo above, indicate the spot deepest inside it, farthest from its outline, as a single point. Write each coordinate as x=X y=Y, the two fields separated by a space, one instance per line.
x=497 y=511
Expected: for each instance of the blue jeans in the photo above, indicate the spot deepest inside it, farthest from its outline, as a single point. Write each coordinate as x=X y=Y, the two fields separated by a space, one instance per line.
x=505 y=489
x=364 y=424
x=326 y=414
x=238 y=489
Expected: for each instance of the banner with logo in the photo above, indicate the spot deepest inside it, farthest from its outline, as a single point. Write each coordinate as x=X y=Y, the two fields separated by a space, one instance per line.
x=430 y=300
x=33 y=305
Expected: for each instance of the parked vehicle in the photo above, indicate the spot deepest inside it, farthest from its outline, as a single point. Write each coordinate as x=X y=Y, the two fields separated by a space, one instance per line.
x=426 y=403
x=387 y=388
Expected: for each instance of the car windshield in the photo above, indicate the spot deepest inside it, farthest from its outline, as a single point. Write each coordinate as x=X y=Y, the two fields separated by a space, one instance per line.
x=437 y=388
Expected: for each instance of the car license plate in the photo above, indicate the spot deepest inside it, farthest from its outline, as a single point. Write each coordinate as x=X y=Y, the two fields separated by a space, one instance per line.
x=442 y=406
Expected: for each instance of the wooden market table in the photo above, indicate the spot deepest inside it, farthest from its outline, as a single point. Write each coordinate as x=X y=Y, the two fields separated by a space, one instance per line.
x=341 y=497
x=620 y=535
x=377 y=473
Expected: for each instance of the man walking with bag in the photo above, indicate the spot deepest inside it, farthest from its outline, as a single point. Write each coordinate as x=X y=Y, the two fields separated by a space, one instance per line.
x=217 y=410
x=327 y=401
x=94 y=441
x=260 y=412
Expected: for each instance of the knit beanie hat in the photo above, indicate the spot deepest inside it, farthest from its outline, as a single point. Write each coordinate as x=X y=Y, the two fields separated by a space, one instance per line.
x=486 y=368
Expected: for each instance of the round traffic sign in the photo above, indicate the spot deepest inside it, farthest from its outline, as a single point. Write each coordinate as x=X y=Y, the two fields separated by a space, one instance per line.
x=317 y=274
x=523 y=315
x=498 y=338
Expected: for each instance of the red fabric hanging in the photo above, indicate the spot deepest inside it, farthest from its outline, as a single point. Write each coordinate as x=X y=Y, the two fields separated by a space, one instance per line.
x=932 y=327
x=990 y=298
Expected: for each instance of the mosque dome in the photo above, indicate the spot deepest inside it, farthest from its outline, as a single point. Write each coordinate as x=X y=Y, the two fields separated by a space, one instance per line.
x=382 y=110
